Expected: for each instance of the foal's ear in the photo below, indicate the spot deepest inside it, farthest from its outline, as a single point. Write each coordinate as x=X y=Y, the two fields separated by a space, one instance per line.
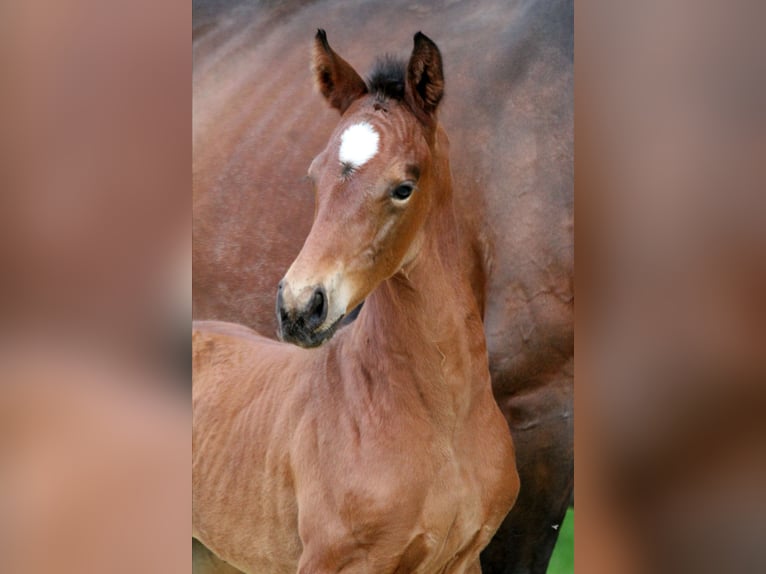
x=335 y=78
x=425 y=79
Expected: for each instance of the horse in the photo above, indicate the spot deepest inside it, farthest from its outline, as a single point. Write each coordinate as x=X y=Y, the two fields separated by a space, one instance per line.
x=380 y=448
x=509 y=115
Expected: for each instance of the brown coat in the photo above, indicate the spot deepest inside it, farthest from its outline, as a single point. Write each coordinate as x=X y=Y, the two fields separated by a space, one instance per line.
x=383 y=449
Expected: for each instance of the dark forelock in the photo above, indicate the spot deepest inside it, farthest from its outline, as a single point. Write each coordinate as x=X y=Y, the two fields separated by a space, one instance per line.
x=387 y=78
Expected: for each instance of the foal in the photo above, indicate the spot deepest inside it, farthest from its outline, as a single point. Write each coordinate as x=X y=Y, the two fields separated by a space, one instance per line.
x=383 y=450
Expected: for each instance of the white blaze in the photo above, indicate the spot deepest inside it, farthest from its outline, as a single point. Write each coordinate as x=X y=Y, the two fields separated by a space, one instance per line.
x=358 y=144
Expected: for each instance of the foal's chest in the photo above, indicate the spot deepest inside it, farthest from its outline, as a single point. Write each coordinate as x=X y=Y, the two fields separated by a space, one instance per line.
x=432 y=517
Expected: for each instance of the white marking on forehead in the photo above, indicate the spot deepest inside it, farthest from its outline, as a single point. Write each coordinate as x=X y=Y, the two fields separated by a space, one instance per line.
x=358 y=144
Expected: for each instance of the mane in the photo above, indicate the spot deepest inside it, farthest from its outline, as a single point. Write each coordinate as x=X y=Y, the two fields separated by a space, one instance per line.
x=386 y=80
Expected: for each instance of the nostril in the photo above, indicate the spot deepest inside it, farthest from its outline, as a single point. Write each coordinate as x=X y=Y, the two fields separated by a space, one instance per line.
x=318 y=307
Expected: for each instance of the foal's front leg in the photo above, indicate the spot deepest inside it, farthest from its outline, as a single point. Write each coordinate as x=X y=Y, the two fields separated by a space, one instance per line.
x=350 y=558
x=313 y=564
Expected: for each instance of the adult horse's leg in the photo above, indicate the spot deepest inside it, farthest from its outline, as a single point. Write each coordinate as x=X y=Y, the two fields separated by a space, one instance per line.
x=544 y=453
x=205 y=562
x=524 y=546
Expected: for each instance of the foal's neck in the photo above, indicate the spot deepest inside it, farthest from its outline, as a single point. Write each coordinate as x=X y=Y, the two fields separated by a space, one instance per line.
x=424 y=321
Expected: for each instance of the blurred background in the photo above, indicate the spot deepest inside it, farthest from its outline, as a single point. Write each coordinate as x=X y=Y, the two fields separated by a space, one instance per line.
x=95 y=286
x=670 y=132
x=95 y=147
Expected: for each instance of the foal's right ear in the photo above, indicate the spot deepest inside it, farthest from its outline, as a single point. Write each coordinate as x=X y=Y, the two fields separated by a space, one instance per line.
x=335 y=78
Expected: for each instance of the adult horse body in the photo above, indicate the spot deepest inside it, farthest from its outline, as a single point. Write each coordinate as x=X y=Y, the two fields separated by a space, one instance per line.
x=509 y=114
x=383 y=450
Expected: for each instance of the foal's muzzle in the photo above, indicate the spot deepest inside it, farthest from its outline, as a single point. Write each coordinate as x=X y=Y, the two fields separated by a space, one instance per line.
x=299 y=322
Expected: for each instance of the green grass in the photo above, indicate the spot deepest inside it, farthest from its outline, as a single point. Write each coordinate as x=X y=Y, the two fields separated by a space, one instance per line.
x=562 y=561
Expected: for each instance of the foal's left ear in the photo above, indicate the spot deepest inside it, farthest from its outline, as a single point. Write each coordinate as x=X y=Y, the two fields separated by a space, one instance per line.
x=335 y=78
x=425 y=79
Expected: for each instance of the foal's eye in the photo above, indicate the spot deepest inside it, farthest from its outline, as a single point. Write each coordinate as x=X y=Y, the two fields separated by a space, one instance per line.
x=402 y=191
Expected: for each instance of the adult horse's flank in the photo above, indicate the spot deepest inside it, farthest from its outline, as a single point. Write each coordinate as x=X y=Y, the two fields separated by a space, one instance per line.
x=383 y=450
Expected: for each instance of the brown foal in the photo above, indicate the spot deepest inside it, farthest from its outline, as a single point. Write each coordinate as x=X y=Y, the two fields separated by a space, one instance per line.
x=383 y=449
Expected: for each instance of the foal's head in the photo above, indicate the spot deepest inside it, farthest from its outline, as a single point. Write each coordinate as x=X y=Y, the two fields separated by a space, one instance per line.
x=375 y=183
